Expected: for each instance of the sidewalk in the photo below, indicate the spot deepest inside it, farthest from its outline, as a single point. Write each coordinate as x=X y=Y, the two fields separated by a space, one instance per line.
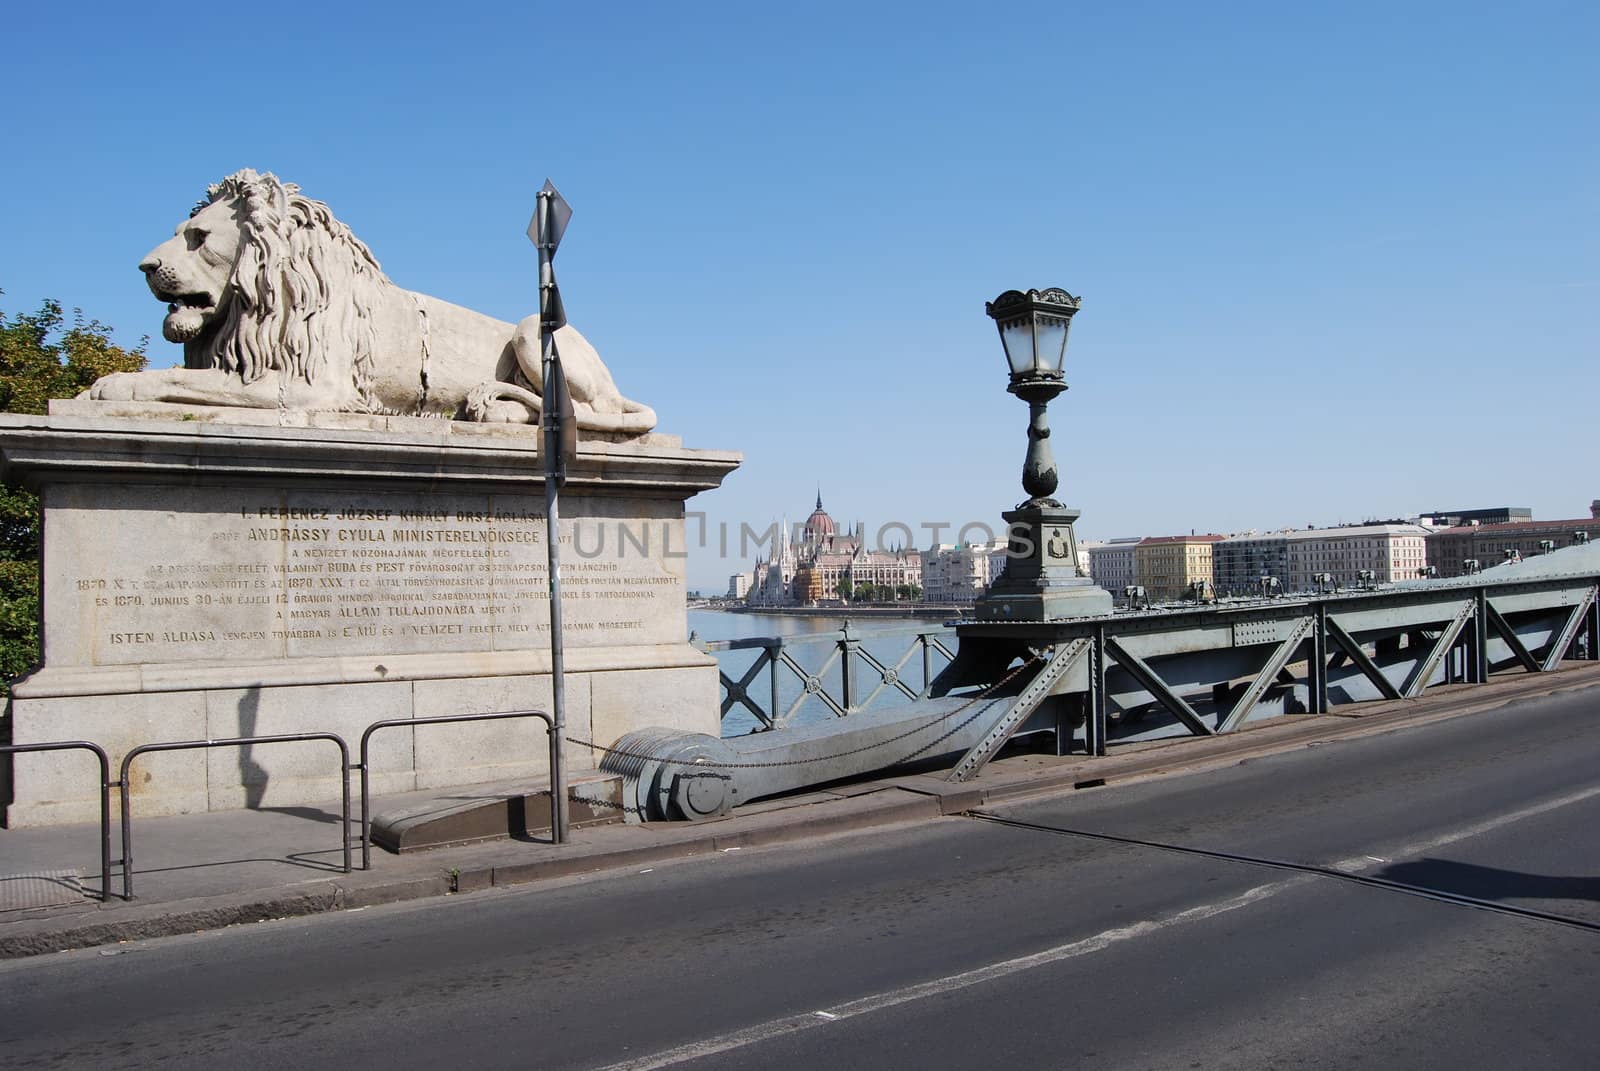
x=203 y=871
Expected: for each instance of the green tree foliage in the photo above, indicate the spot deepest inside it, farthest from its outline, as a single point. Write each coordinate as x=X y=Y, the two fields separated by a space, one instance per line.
x=41 y=357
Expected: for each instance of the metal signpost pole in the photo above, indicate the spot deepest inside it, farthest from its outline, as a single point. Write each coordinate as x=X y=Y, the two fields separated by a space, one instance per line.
x=549 y=220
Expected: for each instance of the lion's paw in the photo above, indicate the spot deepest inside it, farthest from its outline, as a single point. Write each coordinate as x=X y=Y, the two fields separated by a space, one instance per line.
x=116 y=387
x=504 y=412
x=487 y=404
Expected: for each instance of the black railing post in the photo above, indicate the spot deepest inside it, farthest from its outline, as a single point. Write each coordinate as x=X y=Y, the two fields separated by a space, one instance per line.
x=847 y=652
x=124 y=818
x=104 y=762
x=927 y=665
x=773 y=654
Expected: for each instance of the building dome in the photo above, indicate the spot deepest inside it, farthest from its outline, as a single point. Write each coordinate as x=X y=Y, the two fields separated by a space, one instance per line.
x=819 y=526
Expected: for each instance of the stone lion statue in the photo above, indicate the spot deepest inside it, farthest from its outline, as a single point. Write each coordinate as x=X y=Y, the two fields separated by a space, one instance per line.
x=279 y=306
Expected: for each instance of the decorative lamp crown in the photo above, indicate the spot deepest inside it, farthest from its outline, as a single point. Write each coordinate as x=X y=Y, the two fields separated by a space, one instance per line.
x=1033 y=329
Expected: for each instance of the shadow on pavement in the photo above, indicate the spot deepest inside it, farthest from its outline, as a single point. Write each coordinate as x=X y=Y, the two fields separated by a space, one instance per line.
x=313 y=814
x=1491 y=883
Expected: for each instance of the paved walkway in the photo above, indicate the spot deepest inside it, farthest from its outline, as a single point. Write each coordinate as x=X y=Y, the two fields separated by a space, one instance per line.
x=201 y=871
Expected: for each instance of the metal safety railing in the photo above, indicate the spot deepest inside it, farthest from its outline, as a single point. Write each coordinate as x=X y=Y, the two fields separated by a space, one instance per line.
x=105 y=796
x=1390 y=644
x=854 y=662
x=234 y=741
x=124 y=782
x=365 y=765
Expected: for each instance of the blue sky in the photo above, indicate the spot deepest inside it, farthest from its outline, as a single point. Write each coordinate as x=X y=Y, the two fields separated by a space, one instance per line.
x=1338 y=261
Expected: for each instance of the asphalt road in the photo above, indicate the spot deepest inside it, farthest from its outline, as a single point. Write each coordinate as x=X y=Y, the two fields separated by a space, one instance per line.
x=962 y=943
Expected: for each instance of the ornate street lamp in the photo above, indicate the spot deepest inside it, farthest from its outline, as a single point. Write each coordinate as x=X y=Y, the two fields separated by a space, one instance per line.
x=1042 y=580
x=1033 y=329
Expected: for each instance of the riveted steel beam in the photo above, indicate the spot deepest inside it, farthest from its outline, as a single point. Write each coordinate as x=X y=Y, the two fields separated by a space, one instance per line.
x=1026 y=702
x=1094 y=735
x=1569 y=631
x=1269 y=672
x=1318 y=662
x=1352 y=650
x=1447 y=639
x=1152 y=683
x=1513 y=641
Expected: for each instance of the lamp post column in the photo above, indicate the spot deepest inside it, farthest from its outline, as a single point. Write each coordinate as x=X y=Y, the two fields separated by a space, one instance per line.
x=1039 y=475
x=1041 y=581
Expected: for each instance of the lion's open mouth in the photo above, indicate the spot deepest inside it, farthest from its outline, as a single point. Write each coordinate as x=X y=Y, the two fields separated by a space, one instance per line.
x=187 y=314
x=199 y=300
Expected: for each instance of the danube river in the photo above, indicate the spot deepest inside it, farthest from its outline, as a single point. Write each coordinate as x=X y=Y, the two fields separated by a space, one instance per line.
x=810 y=641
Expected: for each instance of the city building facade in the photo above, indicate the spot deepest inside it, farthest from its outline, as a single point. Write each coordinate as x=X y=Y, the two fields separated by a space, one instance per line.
x=1389 y=552
x=1239 y=563
x=957 y=573
x=1169 y=567
x=1449 y=549
x=1110 y=565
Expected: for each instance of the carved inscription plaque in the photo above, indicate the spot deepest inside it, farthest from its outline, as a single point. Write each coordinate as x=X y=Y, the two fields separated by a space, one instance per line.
x=159 y=574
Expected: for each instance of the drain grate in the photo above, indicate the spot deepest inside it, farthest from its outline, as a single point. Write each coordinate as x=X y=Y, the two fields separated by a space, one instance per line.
x=44 y=888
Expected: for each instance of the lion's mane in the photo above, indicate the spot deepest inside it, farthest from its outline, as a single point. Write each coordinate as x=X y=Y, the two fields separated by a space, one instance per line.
x=304 y=287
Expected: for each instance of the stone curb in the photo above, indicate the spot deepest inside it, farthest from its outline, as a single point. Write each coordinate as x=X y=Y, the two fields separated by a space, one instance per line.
x=121 y=921
x=899 y=800
x=132 y=922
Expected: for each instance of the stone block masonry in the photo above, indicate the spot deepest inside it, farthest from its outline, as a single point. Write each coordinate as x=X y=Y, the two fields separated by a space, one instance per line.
x=207 y=580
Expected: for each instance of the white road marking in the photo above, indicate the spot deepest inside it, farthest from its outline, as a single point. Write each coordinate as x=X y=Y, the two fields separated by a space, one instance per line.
x=894 y=997
x=878 y=1001
x=1358 y=863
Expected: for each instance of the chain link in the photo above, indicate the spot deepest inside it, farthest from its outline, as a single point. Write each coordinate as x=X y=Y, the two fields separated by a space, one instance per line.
x=709 y=764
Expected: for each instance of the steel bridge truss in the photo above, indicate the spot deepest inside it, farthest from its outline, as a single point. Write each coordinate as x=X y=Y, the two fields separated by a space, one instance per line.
x=837 y=683
x=1198 y=670
x=1211 y=670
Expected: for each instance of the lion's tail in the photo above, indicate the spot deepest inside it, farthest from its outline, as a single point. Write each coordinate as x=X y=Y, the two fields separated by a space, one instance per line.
x=636 y=418
x=507 y=403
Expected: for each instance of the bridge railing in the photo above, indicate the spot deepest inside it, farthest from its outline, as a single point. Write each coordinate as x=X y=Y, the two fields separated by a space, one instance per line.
x=126 y=783
x=105 y=794
x=795 y=678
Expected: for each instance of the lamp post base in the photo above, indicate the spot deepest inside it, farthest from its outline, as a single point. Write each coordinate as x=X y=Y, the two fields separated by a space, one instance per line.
x=1041 y=581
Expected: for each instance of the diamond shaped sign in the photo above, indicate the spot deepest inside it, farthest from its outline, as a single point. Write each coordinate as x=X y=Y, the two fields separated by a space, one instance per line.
x=550 y=218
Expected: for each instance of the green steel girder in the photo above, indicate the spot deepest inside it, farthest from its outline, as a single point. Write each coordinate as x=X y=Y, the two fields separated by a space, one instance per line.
x=1359 y=659
x=1151 y=682
x=1423 y=673
x=1569 y=632
x=1269 y=672
x=1500 y=625
x=1026 y=702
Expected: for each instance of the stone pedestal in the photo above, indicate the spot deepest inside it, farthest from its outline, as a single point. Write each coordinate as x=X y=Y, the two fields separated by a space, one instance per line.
x=1041 y=580
x=204 y=579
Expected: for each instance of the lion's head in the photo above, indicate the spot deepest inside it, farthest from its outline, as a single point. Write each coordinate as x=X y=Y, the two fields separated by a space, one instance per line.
x=260 y=278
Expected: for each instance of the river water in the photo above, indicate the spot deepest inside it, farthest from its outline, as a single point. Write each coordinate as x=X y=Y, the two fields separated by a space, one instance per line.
x=810 y=642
